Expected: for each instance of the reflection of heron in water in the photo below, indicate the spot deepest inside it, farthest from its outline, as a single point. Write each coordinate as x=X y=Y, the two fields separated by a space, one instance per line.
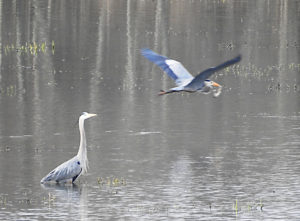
x=72 y=168
x=60 y=187
x=70 y=199
x=183 y=79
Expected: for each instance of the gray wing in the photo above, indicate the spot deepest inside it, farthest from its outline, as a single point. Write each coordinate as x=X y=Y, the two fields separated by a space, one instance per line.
x=197 y=82
x=70 y=169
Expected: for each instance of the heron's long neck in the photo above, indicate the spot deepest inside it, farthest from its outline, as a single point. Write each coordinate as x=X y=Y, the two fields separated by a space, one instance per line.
x=82 y=155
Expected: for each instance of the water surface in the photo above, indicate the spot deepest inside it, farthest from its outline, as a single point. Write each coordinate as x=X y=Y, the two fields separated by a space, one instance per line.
x=181 y=156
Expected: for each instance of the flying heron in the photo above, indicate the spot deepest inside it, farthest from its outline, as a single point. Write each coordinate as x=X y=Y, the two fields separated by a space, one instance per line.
x=71 y=169
x=183 y=79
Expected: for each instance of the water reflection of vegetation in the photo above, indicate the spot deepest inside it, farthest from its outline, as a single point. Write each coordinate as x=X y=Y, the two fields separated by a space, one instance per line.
x=32 y=48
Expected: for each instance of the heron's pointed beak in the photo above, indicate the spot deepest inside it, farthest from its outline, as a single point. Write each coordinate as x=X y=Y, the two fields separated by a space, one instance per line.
x=216 y=84
x=162 y=92
x=92 y=115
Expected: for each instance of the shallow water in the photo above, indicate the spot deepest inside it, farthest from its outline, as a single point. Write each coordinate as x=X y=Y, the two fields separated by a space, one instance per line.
x=180 y=156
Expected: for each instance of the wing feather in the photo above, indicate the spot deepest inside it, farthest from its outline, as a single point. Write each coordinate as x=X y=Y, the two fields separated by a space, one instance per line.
x=65 y=171
x=197 y=82
x=172 y=67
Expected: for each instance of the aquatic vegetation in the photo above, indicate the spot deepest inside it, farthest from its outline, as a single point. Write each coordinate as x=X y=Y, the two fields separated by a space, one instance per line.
x=252 y=71
x=10 y=90
x=269 y=74
x=5 y=149
x=49 y=200
x=255 y=206
x=25 y=201
x=250 y=206
x=111 y=185
x=235 y=207
x=32 y=48
x=111 y=181
x=261 y=205
x=229 y=45
x=226 y=46
x=3 y=201
x=279 y=87
x=53 y=47
x=168 y=209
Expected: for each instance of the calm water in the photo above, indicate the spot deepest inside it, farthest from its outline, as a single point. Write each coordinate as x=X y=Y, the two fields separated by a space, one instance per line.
x=181 y=156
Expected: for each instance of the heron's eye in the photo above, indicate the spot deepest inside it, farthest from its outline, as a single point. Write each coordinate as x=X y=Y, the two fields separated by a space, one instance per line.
x=84 y=113
x=78 y=162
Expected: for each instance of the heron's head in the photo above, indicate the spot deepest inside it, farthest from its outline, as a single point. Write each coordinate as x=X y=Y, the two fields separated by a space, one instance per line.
x=86 y=115
x=211 y=83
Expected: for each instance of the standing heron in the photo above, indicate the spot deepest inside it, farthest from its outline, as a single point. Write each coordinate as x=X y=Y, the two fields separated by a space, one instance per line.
x=183 y=79
x=72 y=168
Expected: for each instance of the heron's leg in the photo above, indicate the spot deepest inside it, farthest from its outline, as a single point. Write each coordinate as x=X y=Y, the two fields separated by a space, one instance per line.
x=162 y=92
x=75 y=177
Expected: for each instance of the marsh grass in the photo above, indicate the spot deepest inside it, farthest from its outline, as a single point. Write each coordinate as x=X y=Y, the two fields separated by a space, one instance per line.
x=240 y=207
x=9 y=91
x=111 y=181
x=268 y=74
x=252 y=71
x=3 y=201
x=32 y=48
x=111 y=185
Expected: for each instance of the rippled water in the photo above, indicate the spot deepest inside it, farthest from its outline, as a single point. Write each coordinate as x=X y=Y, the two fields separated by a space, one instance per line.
x=180 y=156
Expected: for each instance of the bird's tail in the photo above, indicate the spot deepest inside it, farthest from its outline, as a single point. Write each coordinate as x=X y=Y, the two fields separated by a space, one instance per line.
x=48 y=177
x=45 y=179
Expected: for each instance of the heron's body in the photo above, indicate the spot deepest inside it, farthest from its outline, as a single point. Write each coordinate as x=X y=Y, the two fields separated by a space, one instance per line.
x=183 y=79
x=70 y=169
x=73 y=168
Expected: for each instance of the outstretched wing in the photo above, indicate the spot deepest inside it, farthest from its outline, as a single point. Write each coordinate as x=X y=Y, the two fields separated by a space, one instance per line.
x=200 y=78
x=173 y=68
x=68 y=170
